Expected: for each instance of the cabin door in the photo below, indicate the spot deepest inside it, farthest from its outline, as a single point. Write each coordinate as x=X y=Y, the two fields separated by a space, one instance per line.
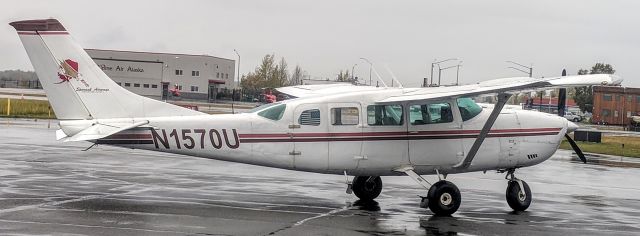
x=345 y=134
x=435 y=134
x=309 y=137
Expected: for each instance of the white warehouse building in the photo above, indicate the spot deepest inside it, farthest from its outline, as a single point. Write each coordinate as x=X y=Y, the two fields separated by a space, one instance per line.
x=197 y=77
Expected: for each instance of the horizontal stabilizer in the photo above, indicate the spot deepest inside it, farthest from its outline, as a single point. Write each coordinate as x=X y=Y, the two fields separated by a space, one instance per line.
x=101 y=130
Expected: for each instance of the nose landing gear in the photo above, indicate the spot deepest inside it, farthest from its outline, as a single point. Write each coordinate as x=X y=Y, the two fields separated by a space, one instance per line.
x=518 y=192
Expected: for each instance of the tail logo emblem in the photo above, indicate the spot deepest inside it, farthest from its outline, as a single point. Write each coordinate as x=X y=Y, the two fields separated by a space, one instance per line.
x=68 y=70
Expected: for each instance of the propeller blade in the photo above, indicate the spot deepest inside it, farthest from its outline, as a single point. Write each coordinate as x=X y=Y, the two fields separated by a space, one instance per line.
x=576 y=148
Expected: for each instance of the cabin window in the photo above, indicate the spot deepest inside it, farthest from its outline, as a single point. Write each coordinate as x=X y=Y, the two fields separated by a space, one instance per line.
x=606 y=112
x=468 y=108
x=384 y=115
x=310 y=117
x=430 y=114
x=345 y=116
x=273 y=113
x=607 y=97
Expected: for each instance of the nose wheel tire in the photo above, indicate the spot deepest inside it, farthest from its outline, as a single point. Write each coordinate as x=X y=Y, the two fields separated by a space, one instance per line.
x=444 y=198
x=517 y=199
x=367 y=188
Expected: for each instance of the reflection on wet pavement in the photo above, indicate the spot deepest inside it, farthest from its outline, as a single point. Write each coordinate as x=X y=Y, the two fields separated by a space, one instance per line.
x=56 y=188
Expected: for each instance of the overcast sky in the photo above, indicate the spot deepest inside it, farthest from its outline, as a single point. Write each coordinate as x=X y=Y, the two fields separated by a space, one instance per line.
x=327 y=36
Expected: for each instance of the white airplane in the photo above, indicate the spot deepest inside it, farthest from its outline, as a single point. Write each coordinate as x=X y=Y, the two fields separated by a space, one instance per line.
x=365 y=132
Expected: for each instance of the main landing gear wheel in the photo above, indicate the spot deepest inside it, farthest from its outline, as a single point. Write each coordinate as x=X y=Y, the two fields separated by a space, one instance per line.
x=518 y=200
x=367 y=188
x=444 y=198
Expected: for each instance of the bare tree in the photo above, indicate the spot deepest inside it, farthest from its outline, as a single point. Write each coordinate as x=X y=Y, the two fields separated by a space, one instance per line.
x=297 y=76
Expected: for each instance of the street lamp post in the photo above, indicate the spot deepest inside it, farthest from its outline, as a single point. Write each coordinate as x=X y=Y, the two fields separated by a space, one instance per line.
x=353 y=73
x=530 y=68
x=458 y=73
x=436 y=62
x=370 y=67
x=441 y=69
x=238 y=74
x=530 y=72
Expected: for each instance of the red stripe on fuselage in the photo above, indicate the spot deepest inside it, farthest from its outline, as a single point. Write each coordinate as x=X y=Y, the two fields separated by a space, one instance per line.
x=367 y=134
x=129 y=136
x=382 y=136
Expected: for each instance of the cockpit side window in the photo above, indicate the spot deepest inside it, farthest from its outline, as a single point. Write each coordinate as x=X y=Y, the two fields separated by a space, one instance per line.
x=274 y=112
x=383 y=115
x=468 y=108
x=344 y=116
x=433 y=113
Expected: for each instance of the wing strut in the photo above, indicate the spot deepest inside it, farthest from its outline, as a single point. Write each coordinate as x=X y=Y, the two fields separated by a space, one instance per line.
x=502 y=100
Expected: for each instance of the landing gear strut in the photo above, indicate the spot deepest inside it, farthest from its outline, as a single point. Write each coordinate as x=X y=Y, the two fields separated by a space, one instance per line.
x=518 y=192
x=367 y=188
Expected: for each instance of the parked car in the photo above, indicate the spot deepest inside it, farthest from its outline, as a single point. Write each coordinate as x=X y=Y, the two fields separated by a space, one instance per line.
x=572 y=116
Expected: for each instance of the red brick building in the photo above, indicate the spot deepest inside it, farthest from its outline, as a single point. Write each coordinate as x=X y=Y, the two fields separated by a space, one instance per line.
x=615 y=105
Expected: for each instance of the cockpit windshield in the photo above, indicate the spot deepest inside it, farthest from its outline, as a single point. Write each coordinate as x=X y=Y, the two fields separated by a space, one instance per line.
x=273 y=112
x=468 y=108
x=262 y=107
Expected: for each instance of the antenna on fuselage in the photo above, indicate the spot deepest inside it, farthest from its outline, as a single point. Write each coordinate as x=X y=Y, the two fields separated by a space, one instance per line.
x=392 y=75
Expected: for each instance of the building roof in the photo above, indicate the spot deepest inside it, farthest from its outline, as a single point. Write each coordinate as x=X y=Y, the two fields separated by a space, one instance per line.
x=616 y=89
x=157 y=53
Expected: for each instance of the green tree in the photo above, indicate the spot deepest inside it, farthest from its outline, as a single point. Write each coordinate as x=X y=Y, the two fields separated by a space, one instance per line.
x=267 y=75
x=584 y=95
x=344 y=76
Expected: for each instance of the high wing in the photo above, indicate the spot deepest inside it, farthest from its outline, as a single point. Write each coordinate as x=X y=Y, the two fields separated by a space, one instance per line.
x=301 y=91
x=506 y=85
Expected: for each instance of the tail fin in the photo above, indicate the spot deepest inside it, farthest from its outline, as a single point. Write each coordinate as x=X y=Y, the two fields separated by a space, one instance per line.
x=76 y=87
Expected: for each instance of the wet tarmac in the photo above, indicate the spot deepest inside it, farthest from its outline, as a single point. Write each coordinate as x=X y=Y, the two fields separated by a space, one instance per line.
x=49 y=187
